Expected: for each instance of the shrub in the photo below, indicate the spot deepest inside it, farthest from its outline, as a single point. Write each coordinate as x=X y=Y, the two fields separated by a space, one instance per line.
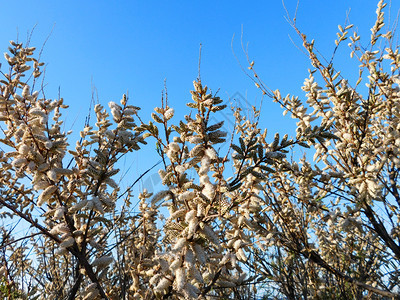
x=277 y=226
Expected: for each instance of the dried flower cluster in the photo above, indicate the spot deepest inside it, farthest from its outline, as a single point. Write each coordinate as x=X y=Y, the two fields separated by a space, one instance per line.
x=250 y=222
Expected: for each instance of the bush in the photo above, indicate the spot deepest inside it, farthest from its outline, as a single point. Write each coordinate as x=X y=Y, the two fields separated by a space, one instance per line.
x=279 y=227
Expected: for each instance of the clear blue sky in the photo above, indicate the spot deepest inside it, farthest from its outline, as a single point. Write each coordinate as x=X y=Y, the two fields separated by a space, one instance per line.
x=134 y=45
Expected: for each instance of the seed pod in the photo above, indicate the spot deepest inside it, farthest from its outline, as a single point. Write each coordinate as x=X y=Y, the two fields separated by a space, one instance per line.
x=103 y=261
x=78 y=206
x=162 y=285
x=46 y=195
x=179 y=244
x=68 y=242
x=169 y=113
x=240 y=255
x=18 y=162
x=180 y=279
x=190 y=215
x=210 y=234
x=211 y=153
x=175 y=264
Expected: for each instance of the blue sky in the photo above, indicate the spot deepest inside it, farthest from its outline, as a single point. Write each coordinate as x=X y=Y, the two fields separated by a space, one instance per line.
x=134 y=46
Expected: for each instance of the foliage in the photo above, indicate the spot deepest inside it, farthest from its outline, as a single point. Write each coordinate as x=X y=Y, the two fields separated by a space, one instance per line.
x=251 y=222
